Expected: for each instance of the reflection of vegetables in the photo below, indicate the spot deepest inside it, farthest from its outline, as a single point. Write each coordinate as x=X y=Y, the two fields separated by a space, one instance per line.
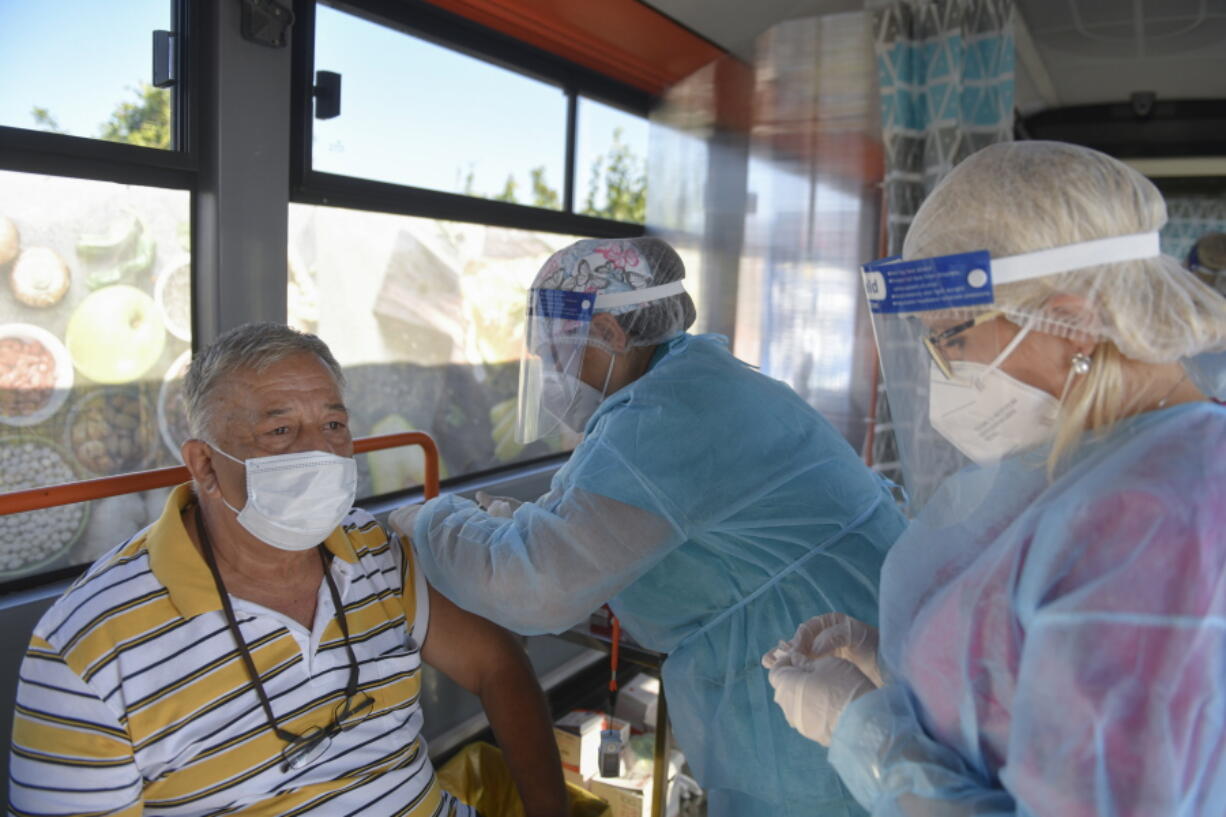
x=125 y=271
x=10 y=241
x=110 y=431
x=502 y=418
x=40 y=277
x=115 y=335
x=34 y=536
x=27 y=376
x=123 y=231
x=395 y=469
x=173 y=295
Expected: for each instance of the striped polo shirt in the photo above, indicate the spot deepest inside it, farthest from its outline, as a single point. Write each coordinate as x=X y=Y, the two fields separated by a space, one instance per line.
x=133 y=699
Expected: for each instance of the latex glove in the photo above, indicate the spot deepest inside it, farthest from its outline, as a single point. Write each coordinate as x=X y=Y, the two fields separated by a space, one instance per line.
x=500 y=506
x=687 y=786
x=813 y=697
x=840 y=636
x=401 y=520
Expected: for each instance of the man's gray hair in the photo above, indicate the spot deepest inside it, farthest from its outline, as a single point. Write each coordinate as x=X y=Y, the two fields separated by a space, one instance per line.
x=253 y=346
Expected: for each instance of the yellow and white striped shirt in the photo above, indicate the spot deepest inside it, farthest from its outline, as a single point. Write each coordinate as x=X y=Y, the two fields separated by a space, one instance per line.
x=133 y=699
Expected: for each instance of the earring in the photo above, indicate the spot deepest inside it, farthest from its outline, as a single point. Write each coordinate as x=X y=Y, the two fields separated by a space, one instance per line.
x=1081 y=363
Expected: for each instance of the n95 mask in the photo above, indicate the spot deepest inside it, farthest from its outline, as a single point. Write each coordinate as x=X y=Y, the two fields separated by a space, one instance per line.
x=295 y=500
x=986 y=414
x=569 y=400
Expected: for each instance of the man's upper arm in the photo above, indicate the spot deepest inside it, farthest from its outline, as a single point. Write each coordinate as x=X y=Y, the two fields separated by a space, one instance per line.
x=70 y=754
x=413 y=592
x=462 y=645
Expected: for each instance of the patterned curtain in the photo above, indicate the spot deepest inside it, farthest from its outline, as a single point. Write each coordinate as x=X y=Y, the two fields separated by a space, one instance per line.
x=945 y=69
x=1189 y=218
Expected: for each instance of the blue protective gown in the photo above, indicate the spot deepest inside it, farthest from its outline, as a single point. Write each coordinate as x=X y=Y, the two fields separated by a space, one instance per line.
x=1057 y=648
x=715 y=510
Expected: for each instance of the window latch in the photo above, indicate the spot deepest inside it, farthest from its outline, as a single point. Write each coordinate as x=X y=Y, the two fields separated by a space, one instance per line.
x=164 y=73
x=327 y=93
x=266 y=22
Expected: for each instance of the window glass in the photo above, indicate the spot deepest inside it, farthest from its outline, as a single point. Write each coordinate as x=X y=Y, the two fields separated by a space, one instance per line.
x=94 y=319
x=611 y=163
x=426 y=317
x=419 y=114
x=45 y=85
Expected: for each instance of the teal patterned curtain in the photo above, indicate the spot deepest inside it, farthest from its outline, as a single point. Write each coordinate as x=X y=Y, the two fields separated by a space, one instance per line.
x=945 y=69
x=1189 y=218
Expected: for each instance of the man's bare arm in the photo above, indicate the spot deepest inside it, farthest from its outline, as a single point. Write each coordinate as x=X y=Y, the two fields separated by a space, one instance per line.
x=490 y=663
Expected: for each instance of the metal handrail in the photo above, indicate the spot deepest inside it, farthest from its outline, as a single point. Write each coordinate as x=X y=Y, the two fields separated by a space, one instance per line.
x=68 y=493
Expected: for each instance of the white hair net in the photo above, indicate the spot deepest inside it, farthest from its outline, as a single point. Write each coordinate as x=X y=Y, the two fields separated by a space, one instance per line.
x=608 y=265
x=1020 y=197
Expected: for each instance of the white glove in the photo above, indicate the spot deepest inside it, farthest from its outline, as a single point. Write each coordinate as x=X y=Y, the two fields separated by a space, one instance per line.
x=401 y=520
x=500 y=506
x=840 y=636
x=813 y=697
x=687 y=786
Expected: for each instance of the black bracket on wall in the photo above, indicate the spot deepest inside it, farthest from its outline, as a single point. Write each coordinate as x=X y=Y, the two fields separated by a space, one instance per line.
x=266 y=22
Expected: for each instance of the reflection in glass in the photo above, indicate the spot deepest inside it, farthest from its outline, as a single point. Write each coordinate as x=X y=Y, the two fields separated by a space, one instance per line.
x=95 y=274
x=427 y=319
x=420 y=114
x=44 y=85
x=780 y=267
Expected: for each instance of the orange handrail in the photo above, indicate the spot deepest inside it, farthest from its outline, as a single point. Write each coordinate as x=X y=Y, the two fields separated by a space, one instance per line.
x=68 y=493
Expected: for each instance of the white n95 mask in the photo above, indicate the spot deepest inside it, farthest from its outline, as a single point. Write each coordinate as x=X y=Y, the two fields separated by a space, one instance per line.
x=295 y=500
x=986 y=414
x=569 y=400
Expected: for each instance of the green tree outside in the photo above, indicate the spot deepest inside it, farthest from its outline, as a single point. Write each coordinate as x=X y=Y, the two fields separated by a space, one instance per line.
x=619 y=175
x=625 y=184
x=146 y=121
x=542 y=194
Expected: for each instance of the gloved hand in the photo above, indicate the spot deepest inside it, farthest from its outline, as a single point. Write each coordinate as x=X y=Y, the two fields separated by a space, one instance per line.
x=401 y=520
x=500 y=506
x=813 y=697
x=840 y=636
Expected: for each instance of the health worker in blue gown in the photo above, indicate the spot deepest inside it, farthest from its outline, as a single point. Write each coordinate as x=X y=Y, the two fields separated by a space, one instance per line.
x=708 y=504
x=1053 y=622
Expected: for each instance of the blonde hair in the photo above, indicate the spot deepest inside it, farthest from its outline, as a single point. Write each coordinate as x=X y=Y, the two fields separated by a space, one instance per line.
x=1019 y=197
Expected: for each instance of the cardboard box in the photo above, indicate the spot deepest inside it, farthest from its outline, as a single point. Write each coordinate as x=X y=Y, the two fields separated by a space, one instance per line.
x=631 y=797
x=630 y=794
x=579 y=780
x=578 y=737
x=638 y=702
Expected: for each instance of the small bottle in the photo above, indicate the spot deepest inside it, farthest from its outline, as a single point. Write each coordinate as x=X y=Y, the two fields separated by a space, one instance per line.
x=610 y=753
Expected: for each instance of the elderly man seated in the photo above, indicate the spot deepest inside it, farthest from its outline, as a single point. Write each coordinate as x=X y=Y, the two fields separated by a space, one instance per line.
x=258 y=649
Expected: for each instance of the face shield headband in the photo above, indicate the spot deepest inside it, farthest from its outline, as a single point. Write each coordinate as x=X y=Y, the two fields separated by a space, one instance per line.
x=967 y=280
x=552 y=394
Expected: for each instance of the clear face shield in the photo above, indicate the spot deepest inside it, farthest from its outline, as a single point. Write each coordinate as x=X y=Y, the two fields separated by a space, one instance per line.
x=552 y=393
x=943 y=340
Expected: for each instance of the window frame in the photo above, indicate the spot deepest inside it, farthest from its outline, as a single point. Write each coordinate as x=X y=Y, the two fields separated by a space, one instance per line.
x=423 y=20
x=28 y=150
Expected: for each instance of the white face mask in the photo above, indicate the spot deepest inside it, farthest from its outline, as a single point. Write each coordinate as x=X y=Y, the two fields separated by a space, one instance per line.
x=571 y=401
x=985 y=413
x=295 y=500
